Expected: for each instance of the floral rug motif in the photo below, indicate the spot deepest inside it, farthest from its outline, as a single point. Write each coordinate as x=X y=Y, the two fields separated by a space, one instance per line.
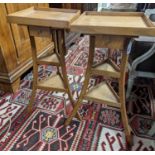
x=94 y=136
x=43 y=132
x=143 y=126
x=141 y=101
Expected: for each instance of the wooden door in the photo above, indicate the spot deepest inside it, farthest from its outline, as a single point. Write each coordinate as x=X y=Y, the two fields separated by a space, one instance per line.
x=20 y=33
x=7 y=48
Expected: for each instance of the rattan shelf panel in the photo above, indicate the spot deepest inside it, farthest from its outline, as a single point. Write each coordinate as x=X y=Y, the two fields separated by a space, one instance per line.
x=103 y=94
x=51 y=59
x=52 y=83
x=106 y=69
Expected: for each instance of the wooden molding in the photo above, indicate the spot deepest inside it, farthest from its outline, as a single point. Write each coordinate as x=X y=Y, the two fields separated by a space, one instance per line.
x=17 y=72
x=10 y=87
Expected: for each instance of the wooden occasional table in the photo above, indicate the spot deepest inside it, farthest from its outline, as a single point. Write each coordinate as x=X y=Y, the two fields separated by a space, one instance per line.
x=110 y=30
x=47 y=22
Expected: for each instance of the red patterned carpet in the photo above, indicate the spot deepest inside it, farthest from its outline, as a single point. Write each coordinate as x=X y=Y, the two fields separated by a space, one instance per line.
x=101 y=128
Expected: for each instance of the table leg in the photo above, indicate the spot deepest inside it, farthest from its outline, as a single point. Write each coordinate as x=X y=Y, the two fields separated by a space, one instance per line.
x=62 y=51
x=122 y=97
x=86 y=81
x=35 y=73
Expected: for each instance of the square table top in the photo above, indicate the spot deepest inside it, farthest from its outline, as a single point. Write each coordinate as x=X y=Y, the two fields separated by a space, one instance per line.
x=114 y=23
x=48 y=17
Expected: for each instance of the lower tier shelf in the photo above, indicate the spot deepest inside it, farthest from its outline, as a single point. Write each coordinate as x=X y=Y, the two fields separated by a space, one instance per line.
x=53 y=83
x=104 y=94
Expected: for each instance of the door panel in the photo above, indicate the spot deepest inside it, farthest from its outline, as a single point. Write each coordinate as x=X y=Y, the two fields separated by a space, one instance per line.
x=20 y=33
x=7 y=48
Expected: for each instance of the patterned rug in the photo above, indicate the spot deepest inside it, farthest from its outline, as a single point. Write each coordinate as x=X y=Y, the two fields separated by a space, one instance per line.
x=101 y=128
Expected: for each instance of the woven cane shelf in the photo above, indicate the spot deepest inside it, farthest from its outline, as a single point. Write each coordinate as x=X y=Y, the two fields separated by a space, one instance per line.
x=51 y=59
x=54 y=82
x=106 y=68
x=103 y=93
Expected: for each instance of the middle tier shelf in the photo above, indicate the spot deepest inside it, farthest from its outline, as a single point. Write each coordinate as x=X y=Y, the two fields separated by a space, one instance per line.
x=106 y=68
x=103 y=93
x=49 y=59
x=52 y=83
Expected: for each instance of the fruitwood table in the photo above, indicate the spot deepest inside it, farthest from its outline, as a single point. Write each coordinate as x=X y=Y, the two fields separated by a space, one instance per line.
x=112 y=30
x=47 y=22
